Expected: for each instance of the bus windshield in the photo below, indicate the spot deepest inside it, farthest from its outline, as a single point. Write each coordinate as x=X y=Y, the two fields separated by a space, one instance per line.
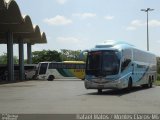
x=102 y=63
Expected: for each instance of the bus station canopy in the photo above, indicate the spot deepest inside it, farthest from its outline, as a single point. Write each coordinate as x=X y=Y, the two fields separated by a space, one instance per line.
x=11 y=20
x=17 y=29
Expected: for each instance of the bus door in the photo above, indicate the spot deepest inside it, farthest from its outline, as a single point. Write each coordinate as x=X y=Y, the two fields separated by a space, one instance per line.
x=43 y=68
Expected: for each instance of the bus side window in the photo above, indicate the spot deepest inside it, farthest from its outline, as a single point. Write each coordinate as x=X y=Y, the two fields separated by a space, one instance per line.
x=43 y=68
x=127 y=55
x=125 y=63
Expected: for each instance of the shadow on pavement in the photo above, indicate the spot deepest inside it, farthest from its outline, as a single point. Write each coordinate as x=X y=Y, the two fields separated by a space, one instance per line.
x=119 y=92
x=17 y=81
x=10 y=82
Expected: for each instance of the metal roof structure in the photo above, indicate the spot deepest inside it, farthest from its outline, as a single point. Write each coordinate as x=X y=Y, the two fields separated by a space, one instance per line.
x=17 y=29
x=12 y=20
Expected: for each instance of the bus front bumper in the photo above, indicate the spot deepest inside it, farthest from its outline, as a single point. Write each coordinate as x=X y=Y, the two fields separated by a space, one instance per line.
x=117 y=84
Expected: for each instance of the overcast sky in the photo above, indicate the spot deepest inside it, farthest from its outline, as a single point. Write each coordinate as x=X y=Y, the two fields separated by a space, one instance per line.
x=80 y=24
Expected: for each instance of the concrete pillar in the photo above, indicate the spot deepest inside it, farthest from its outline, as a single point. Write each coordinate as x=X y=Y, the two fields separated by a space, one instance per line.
x=10 y=62
x=21 y=60
x=29 y=53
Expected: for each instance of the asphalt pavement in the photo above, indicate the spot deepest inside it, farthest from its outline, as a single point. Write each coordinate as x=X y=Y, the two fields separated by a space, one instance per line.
x=68 y=96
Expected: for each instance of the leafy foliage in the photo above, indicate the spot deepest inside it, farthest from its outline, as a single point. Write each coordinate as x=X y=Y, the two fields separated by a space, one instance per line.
x=158 y=65
x=45 y=55
x=3 y=59
x=70 y=55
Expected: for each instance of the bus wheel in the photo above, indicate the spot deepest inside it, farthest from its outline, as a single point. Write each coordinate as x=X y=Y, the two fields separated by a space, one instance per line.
x=99 y=91
x=150 y=83
x=129 y=84
x=51 y=78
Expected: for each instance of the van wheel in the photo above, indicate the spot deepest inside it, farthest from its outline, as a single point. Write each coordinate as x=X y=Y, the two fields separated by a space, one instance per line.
x=129 y=84
x=51 y=78
x=99 y=91
x=83 y=79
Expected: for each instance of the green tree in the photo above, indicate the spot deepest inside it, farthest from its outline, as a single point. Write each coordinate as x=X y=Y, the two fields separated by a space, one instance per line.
x=158 y=65
x=69 y=55
x=3 y=59
x=45 y=55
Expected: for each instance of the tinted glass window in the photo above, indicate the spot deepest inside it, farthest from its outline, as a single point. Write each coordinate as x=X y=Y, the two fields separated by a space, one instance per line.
x=143 y=56
x=43 y=68
x=66 y=66
x=102 y=63
x=127 y=56
x=110 y=63
x=94 y=60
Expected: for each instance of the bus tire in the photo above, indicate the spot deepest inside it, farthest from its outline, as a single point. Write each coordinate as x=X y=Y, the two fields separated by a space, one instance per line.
x=99 y=91
x=129 y=84
x=51 y=78
x=150 y=85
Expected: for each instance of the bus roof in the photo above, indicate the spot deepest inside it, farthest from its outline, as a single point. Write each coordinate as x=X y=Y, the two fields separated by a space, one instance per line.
x=112 y=45
x=115 y=45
